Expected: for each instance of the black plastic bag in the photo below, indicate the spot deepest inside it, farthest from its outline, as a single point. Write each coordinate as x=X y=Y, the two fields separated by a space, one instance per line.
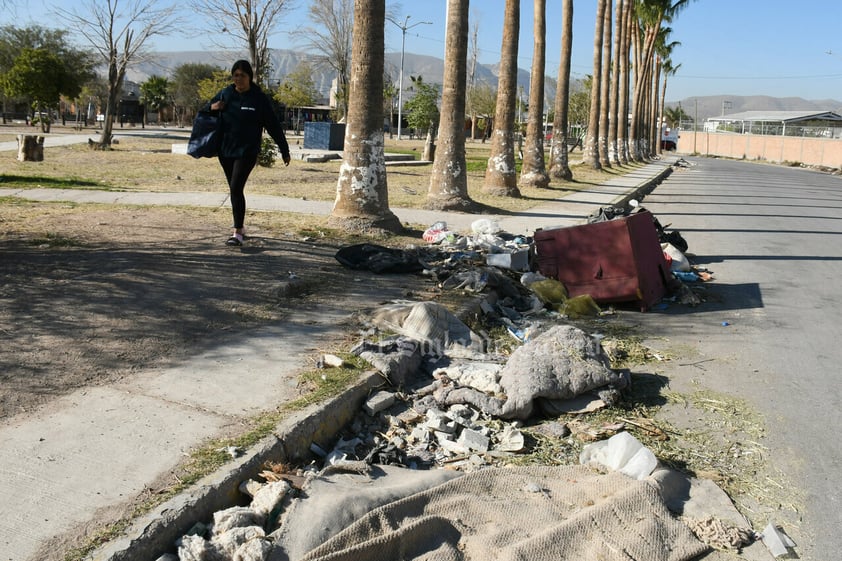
x=206 y=135
x=378 y=259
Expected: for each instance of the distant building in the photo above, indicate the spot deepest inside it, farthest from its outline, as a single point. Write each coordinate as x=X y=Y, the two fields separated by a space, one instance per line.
x=827 y=124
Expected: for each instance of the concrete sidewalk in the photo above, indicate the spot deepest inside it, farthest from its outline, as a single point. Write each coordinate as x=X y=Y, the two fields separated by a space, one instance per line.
x=93 y=450
x=566 y=211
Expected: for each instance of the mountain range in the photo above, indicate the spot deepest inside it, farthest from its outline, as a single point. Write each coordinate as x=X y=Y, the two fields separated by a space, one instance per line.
x=431 y=69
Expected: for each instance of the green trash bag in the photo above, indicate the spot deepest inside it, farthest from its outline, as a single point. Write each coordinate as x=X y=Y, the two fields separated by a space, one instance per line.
x=580 y=306
x=550 y=291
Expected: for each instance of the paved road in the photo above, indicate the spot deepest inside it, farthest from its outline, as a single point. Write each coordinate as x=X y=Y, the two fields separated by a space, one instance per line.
x=773 y=236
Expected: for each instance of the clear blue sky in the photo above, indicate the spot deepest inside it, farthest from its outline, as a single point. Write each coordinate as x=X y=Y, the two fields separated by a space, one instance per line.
x=727 y=47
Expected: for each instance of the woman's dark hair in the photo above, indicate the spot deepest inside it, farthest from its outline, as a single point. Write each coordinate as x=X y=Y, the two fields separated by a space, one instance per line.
x=243 y=66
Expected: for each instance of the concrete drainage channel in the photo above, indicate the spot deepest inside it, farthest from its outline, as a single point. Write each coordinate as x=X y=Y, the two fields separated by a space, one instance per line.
x=156 y=532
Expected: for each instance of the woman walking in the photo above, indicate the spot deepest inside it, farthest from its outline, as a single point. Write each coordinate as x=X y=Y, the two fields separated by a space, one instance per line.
x=245 y=111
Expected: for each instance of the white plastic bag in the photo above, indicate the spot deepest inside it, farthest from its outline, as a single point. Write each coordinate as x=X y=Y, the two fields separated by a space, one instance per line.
x=622 y=452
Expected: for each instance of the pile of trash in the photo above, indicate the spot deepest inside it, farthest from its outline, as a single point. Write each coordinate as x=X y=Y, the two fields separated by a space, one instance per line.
x=425 y=468
x=487 y=259
x=431 y=450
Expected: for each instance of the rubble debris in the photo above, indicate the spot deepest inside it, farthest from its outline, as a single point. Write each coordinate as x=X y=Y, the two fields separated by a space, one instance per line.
x=776 y=540
x=516 y=259
x=453 y=404
x=378 y=402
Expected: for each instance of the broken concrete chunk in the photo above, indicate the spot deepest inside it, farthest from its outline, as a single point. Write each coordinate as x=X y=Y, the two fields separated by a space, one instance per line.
x=419 y=435
x=379 y=402
x=473 y=440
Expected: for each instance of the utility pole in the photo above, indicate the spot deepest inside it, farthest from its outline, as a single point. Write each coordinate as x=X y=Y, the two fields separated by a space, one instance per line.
x=403 y=27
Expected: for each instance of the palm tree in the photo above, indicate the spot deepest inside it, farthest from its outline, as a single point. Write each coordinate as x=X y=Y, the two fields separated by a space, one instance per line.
x=501 y=175
x=613 y=105
x=591 y=148
x=604 y=88
x=449 y=179
x=624 y=80
x=669 y=70
x=665 y=67
x=533 y=170
x=362 y=201
x=559 y=167
x=650 y=15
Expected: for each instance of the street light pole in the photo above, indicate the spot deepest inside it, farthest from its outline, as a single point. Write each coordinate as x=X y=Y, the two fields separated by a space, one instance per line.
x=403 y=27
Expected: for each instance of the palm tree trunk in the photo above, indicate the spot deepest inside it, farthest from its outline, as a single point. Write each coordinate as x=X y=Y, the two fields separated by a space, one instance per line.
x=655 y=128
x=591 y=148
x=661 y=106
x=559 y=167
x=605 y=87
x=613 y=113
x=501 y=174
x=623 y=105
x=449 y=179
x=533 y=170
x=362 y=200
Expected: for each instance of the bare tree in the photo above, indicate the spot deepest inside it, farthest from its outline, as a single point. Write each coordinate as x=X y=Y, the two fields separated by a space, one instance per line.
x=559 y=166
x=119 y=37
x=533 y=170
x=500 y=174
x=329 y=40
x=249 y=22
x=449 y=177
x=362 y=196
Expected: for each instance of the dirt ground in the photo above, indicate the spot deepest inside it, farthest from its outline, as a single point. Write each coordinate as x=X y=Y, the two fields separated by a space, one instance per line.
x=90 y=296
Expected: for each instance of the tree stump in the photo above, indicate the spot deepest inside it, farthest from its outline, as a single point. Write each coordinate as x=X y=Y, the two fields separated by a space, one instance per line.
x=30 y=148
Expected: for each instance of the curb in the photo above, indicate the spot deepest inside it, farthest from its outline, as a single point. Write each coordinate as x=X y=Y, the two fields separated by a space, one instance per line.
x=157 y=531
x=643 y=189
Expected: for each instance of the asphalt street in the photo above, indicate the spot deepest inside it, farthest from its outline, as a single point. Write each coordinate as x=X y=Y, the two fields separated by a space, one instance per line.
x=771 y=331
